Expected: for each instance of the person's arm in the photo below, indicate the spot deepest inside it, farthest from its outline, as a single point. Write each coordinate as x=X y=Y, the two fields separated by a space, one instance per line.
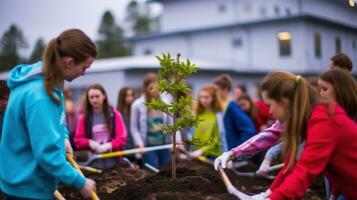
x=134 y=124
x=47 y=141
x=80 y=139
x=120 y=132
x=260 y=142
x=320 y=143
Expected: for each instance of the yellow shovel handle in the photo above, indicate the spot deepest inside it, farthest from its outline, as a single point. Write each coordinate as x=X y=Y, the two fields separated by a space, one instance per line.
x=75 y=165
x=59 y=196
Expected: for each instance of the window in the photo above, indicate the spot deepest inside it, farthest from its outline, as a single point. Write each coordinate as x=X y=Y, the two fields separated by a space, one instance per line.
x=276 y=10
x=337 y=45
x=221 y=8
x=263 y=11
x=237 y=42
x=317 y=45
x=284 y=43
x=147 y=51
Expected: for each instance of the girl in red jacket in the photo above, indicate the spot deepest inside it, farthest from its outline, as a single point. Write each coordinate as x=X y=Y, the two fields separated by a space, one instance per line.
x=101 y=128
x=319 y=137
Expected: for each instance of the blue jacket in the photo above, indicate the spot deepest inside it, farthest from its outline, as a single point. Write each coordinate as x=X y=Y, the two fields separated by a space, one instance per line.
x=239 y=127
x=32 y=148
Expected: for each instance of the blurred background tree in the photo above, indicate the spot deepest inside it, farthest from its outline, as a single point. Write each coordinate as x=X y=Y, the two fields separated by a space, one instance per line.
x=37 y=51
x=11 y=43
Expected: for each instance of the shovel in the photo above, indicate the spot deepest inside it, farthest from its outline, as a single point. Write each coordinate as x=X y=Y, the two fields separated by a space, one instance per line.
x=59 y=196
x=200 y=158
x=122 y=153
x=254 y=174
x=231 y=189
x=75 y=165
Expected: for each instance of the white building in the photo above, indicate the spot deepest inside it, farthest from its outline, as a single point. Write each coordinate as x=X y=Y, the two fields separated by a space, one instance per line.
x=256 y=35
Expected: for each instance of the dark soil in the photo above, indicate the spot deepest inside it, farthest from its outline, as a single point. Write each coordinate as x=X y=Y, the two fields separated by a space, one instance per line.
x=194 y=181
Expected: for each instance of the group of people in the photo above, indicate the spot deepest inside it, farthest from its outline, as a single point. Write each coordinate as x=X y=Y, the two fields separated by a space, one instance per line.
x=315 y=129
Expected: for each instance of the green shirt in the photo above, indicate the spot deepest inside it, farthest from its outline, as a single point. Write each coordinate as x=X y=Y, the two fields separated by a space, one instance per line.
x=206 y=136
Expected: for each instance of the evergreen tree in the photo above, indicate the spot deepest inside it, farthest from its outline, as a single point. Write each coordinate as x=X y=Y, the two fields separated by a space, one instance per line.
x=36 y=54
x=11 y=42
x=111 y=42
x=139 y=16
x=172 y=80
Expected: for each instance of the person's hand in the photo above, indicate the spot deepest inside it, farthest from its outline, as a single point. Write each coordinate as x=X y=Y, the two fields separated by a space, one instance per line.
x=93 y=145
x=264 y=167
x=222 y=160
x=141 y=149
x=104 y=148
x=196 y=153
x=88 y=188
x=68 y=147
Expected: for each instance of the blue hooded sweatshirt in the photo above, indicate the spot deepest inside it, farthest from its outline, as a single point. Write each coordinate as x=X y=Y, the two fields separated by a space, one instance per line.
x=32 y=147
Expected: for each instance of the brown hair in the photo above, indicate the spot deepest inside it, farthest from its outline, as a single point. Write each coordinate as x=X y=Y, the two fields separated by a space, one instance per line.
x=88 y=109
x=342 y=61
x=72 y=43
x=345 y=87
x=224 y=81
x=124 y=109
x=216 y=105
x=253 y=110
x=301 y=98
x=148 y=80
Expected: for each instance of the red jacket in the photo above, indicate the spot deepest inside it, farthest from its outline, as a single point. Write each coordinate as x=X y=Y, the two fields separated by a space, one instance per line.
x=81 y=140
x=331 y=149
x=263 y=116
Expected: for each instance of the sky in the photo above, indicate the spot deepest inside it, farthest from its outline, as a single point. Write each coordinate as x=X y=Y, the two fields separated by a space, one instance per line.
x=48 y=18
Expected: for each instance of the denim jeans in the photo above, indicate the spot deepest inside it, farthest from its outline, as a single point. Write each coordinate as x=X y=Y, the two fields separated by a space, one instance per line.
x=157 y=158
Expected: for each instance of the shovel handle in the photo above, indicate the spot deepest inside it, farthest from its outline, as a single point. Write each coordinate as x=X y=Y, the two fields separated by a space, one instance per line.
x=200 y=158
x=75 y=165
x=132 y=151
x=224 y=177
x=59 y=196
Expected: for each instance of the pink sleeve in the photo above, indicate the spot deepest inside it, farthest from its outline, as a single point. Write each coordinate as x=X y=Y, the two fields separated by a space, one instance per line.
x=260 y=142
x=120 y=132
x=80 y=138
x=319 y=145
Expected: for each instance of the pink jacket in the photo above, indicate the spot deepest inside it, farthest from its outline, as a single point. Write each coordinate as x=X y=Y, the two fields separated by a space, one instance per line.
x=81 y=140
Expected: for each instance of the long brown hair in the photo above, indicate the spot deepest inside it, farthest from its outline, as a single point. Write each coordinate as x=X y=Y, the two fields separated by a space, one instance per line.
x=148 y=80
x=88 y=108
x=121 y=104
x=72 y=43
x=253 y=110
x=301 y=98
x=345 y=87
x=215 y=104
x=224 y=81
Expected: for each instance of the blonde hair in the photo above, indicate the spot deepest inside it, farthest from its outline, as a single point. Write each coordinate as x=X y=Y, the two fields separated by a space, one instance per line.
x=72 y=43
x=301 y=98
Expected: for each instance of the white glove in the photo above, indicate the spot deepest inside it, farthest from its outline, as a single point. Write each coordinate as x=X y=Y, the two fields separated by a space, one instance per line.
x=68 y=147
x=196 y=153
x=104 y=148
x=93 y=145
x=88 y=188
x=222 y=160
x=264 y=167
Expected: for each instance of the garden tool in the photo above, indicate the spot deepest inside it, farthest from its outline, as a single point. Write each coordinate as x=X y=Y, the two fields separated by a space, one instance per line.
x=90 y=169
x=59 y=196
x=75 y=165
x=255 y=174
x=93 y=157
x=230 y=188
x=200 y=158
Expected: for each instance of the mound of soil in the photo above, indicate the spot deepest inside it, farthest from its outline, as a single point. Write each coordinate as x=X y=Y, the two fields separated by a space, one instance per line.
x=194 y=181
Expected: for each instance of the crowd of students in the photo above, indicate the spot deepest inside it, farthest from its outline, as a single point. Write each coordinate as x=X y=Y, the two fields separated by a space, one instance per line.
x=314 y=130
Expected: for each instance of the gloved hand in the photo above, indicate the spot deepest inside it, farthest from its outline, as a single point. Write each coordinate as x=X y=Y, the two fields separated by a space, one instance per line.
x=93 y=145
x=196 y=153
x=264 y=167
x=223 y=159
x=104 y=148
x=88 y=188
x=68 y=147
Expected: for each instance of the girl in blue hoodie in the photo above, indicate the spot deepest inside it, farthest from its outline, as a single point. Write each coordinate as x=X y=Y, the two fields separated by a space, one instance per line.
x=34 y=140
